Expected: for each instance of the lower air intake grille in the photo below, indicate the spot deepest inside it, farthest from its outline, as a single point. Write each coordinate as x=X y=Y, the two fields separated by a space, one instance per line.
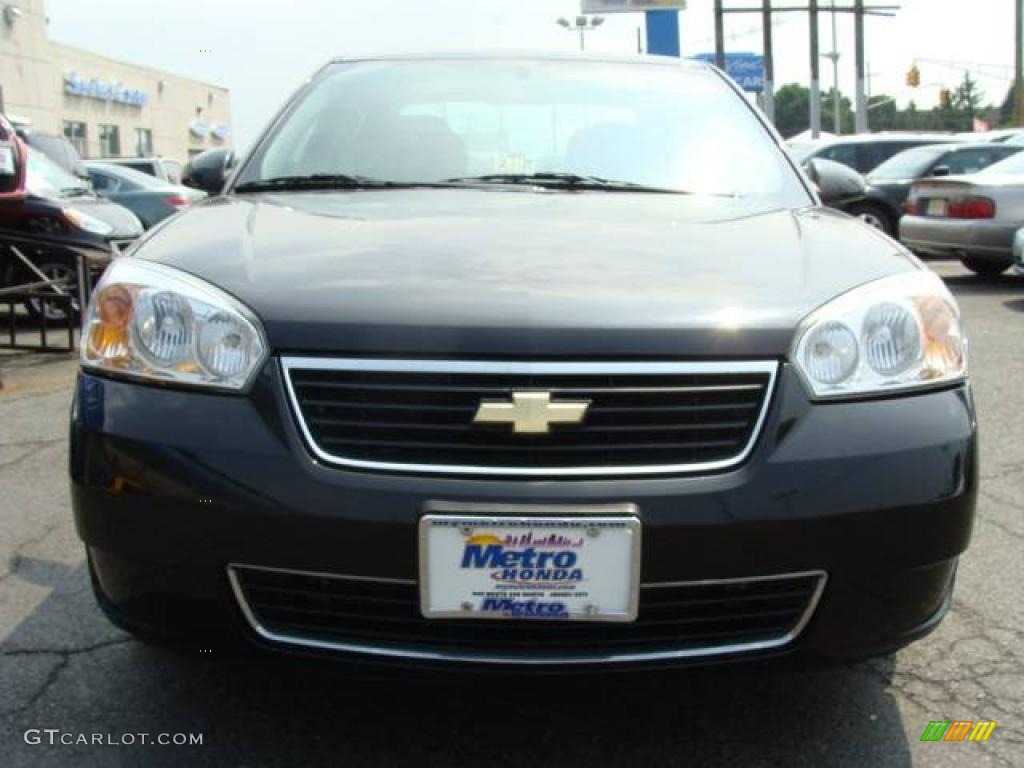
x=697 y=619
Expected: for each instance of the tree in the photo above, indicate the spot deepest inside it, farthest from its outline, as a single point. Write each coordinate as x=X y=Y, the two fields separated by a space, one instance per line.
x=968 y=97
x=792 y=109
x=1008 y=109
x=846 y=118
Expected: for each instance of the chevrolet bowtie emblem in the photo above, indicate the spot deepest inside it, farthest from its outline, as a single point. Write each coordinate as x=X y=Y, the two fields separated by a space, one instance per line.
x=531 y=413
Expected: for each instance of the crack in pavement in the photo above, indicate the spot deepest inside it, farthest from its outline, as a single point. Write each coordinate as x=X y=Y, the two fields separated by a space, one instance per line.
x=16 y=557
x=40 y=446
x=989 y=686
x=64 y=659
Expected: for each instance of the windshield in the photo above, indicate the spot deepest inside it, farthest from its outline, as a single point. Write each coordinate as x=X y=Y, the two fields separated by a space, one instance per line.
x=909 y=164
x=1012 y=164
x=428 y=121
x=44 y=178
x=130 y=178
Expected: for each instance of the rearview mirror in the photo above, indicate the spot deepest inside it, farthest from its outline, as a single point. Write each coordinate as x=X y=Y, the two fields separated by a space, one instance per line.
x=941 y=170
x=836 y=183
x=209 y=170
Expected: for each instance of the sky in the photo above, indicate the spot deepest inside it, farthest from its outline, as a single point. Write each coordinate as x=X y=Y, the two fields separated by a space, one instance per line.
x=263 y=49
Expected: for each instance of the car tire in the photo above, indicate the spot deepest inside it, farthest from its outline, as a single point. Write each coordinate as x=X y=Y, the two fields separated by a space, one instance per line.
x=55 y=266
x=874 y=216
x=985 y=267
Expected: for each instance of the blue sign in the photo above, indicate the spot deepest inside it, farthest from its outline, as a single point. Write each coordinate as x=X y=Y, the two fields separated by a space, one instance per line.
x=747 y=69
x=95 y=89
x=662 y=32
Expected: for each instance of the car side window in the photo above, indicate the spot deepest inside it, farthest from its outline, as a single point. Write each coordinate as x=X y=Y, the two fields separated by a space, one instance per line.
x=870 y=156
x=970 y=160
x=842 y=153
x=103 y=183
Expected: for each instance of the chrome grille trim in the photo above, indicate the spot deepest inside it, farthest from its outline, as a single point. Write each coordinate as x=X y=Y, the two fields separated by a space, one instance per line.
x=289 y=363
x=422 y=654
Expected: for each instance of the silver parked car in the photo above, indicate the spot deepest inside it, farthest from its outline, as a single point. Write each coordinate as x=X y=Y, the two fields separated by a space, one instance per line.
x=1018 y=252
x=972 y=217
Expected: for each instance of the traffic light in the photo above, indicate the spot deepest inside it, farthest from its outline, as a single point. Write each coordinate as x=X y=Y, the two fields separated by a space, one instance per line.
x=914 y=76
x=945 y=98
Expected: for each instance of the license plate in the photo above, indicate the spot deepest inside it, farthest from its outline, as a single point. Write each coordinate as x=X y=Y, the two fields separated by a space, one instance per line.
x=579 y=568
x=936 y=208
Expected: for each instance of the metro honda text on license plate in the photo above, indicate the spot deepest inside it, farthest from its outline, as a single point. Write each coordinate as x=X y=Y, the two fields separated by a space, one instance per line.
x=549 y=568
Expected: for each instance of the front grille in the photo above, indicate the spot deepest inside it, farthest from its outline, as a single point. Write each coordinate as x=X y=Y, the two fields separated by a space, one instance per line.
x=643 y=418
x=698 y=619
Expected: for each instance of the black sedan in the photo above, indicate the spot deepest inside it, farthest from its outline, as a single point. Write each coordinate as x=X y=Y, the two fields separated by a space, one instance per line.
x=514 y=363
x=149 y=198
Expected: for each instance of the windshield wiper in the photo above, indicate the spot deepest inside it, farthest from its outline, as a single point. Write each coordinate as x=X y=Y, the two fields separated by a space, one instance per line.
x=75 y=191
x=564 y=180
x=319 y=181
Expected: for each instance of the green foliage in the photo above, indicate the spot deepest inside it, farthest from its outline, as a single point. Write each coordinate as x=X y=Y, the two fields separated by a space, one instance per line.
x=792 y=111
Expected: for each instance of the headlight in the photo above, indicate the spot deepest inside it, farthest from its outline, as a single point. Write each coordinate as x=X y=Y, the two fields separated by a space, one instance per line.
x=150 y=321
x=87 y=222
x=897 y=333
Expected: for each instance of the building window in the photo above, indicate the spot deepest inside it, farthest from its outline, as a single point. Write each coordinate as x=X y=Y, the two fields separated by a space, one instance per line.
x=144 y=142
x=110 y=141
x=74 y=132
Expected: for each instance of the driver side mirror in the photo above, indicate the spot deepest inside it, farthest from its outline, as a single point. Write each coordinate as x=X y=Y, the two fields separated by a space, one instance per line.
x=209 y=170
x=836 y=183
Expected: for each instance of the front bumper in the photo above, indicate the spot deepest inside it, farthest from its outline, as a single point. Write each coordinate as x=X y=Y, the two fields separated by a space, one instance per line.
x=990 y=240
x=171 y=487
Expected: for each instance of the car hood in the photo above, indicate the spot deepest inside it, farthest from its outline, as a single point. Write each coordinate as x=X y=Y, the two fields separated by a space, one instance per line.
x=521 y=273
x=125 y=223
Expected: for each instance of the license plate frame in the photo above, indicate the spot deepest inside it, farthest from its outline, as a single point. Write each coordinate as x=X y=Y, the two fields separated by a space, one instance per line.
x=436 y=576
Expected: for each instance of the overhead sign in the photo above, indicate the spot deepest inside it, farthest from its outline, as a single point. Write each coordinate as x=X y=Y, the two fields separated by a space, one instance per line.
x=631 y=6
x=747 y=69
x=96 y=89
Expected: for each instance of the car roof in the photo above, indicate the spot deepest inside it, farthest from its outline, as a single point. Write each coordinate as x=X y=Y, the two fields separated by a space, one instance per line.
x=149 y=159
x=594 y=57
x=120 y=171
x=867 y=138
x=979 y=145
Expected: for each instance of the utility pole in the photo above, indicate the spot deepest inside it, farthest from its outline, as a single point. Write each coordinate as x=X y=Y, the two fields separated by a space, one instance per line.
x=859 y=10
x=815 y=72
x=769 y=62
x=861 y=121
x=720 y=35
x=1018 y=69
x=833 y=55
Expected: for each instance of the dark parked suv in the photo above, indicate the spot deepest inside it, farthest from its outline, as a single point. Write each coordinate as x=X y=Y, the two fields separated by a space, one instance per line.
x=523 y=362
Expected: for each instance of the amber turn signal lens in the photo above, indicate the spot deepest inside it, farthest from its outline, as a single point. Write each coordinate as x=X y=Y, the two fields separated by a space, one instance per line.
x=108 y=334
x=943 y=344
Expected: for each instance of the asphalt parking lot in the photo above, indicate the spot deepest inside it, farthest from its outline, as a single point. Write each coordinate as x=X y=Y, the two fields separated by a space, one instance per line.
x=62 y=666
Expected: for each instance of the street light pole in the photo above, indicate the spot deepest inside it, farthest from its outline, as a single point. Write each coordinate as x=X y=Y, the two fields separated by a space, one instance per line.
x=581 y=24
